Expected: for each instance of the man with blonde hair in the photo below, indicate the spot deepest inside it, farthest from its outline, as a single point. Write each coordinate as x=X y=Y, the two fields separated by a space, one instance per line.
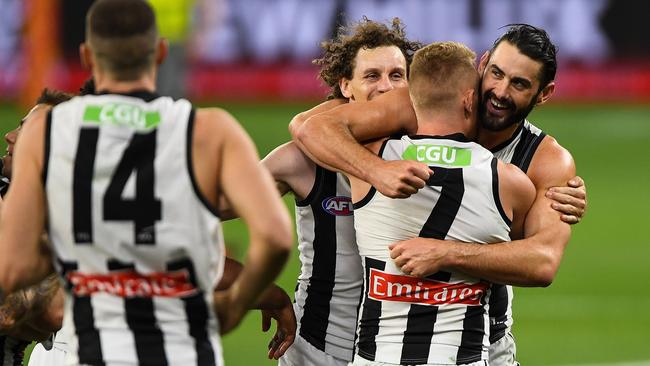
x=471 y=196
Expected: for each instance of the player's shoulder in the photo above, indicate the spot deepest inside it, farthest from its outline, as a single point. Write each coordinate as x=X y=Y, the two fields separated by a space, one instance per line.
x=513 y=177
x=290 y=156
x=550 y=148
x=515 y=186
x=551 y=165
x=213 y=117
x=215 y=125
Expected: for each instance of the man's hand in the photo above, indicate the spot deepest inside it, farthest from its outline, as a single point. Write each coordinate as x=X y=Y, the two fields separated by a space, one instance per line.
x=285 y=332
x=571 y=201
x=419 y=257
x=399 y=178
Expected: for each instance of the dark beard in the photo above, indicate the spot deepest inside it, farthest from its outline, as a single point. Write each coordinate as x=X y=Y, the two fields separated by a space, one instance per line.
x=491 y=124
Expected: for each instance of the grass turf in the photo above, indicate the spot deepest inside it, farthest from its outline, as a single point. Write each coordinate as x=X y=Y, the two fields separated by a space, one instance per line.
x=596 y=310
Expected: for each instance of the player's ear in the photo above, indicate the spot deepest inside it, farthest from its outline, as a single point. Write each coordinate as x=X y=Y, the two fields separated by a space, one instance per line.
x=344 y=85
x=468 y=102
x=482 y=64
x=162 y=49
x=546 y=93
x=85 y=56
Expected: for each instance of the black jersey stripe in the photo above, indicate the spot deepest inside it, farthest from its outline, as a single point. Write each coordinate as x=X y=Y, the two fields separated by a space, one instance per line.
x=530 y=151
x=498 y=312
x=82 y=224
x=495 y=192
x=471 y=343
x=446 y=208
x=418 y=334
x=371 y=312
x=18 y=351
x=525 y=149
x=90 y=349
x=190 y=168
x=141 y=319
x=315 y=189
x=197 y=312
x=46 y=146
x=313 y=324
x=3 y=342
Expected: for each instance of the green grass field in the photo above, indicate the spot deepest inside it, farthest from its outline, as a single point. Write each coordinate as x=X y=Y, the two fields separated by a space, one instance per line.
x=598 y=309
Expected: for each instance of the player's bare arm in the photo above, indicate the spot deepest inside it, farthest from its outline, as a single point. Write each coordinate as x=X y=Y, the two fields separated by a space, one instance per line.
x=532 y=261
x=299 y=119
x=291 y=169
x=20 y=231
x=342 y=126
x=289 y=166
x=253 y=196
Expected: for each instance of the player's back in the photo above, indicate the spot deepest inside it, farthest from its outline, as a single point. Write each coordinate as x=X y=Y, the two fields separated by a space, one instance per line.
x=135 y=240
x=442 y=319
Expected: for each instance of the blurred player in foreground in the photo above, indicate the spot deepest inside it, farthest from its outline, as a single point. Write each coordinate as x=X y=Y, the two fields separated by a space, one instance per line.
x=517 y=74
x=140 y=250
x=36 y=312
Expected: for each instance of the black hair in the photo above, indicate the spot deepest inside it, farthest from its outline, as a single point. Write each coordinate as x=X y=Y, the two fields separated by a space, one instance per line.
x=535 y=43
x=123 y=36
x=88 y=88
x=53 y=97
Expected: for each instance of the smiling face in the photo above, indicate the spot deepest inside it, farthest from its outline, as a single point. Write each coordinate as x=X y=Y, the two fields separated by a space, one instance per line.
x=510 y=87
x=376 y=71
x=11 y=137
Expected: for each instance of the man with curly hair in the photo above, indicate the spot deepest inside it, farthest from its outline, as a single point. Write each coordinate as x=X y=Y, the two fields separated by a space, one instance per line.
x=363 y=61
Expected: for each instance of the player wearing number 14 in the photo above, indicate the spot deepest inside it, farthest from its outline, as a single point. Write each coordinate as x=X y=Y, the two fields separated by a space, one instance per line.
x=129 y=182
x=470 y=197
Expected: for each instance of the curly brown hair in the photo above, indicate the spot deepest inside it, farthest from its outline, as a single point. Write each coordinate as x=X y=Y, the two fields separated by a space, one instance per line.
x=339 y=53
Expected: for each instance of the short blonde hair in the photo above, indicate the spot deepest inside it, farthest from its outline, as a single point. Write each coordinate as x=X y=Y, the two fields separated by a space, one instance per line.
x=440 y=72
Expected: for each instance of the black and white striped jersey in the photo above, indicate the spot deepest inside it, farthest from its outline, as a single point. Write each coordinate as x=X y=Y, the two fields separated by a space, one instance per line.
x=12 y=351
x=518 y=150
x=330 y=281
x=442 y=319
x=137 y=244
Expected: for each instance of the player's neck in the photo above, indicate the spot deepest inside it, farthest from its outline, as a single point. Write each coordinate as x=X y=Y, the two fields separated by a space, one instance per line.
x=442 y=124
x=105 y=83
x=490 y=139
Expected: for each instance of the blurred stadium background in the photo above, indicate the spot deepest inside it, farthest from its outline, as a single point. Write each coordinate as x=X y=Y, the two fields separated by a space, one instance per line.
x=253 y=58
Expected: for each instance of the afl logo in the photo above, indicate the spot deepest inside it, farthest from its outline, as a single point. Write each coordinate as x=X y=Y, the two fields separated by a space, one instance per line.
x=338 y=205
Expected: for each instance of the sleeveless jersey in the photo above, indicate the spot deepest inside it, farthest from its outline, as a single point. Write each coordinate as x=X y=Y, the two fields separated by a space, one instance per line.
x=442 y=319
x=330 y=281
x=518 y=150
x=137 y=245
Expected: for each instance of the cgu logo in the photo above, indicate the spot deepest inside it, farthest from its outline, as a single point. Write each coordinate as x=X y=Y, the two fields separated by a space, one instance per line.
x=438 y=154
x=121 y=114
x=338 y=205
